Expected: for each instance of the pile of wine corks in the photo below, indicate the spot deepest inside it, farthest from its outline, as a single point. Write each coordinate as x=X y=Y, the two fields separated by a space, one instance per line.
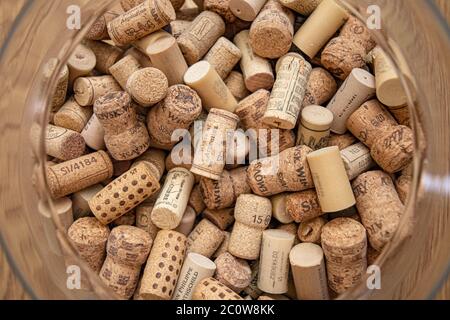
x=227 y=152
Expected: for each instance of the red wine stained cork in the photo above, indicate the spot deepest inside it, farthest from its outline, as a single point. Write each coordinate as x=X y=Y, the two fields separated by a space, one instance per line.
x=127 y=249
x=99 y=30
x=272 y=31
x=155 y=159
x=221 y=7
x=203 y=78
x=80 y=201
x=94 y=134
x=252 y=214
x=401 y=114
x=320 y=88
x=274 y=261
x=314 y=128
x=303 y=205
x=124 y=194
x=147 y=86
x=308 y=270
x=145 y=18
x=303 y=7
x=81 y=62
x=123 y=69
x=233 y=272
x=356 y=30
x=143 y=220
x=356 y=159
x=393 y=149
x=163 y=266
x=257 y=71
x=369 y=121
x=341 y=141
x=279 y=209
x=62 y=143
x=60 y=92
x=357 y=89
x=187 y=222
x=311 y=230
x=236 y=84
x=288 y=92
x=222 y=218
x=320 y=26
x=212 y=289
x=205 y=239
x=106 y=54
x=288 y=171
x=72 y=116
x=223 y=56
x=403 y=186
x=195 y=268
x=88 y=89
x=196 y=200
x=378 y=205
x=201 y=35
x=89 y=237
x=177 y=27
x=246 y=10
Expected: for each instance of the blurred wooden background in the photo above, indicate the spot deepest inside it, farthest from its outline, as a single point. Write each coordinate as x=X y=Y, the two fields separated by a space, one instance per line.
x=10 y=288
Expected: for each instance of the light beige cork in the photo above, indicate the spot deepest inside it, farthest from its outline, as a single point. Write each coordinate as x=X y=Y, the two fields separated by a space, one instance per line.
x=314 y=128
x=246 y=10
x=356 y=159
x=358 y=31
x=60 y=92
x=63 y=211
x=196 y=200
x=80 y=200
x=99 y=30
x=205 y=239
x=221 y=7
x=88 y=89
x=252 y=214
x=155 y=160
x=123 y=69
x=303 y=205
x=127 y=249
x=279 y=208
x=224 y=246
x=223 y=56
x=212 y=289
x=236 y=84
x=81 y=62
x=187 y=222
x=233 y=272
x=143 y=220
x=320 y=88
x=311 y=230
x=62 y=143
x=94 y=134
x=147 y=42
x=304 y=7
x=222 y=218
x=177 y=27
x=147 y=86
x=72 y=116
x=403 y=187
x=341 y=141
x=290 y=228
x=106 y=54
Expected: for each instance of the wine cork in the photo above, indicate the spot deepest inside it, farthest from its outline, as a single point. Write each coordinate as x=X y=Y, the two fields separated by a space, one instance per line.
x=393 y=149
x=288 y=171
x=94 y=134
x=120 y=166
x=187 y=222
x=311 y=230
x=155 y=160
x=274 y=262
x=59 y=94
x=88 y=89
x=190 y=9
x=252 y=289
x=272 y=31
x=303 y=205
x=320 y=26
x=203 y=78
x=222 y=218
x=123 y=69
x=62 y=143
x=279 y=209
x=236 y=84
x=203 y=32
x=224 y=246
x=99 y=30
x=223 y=56
x=357 y=160
x=209 y=157
x=372 y=255
x=378 y=205
x=106 y=54
x=127 y=5
x=257 y=71
x=89 y=237
x=147 y=86
x=369 y=121
x=314 y=129
x=163 y=266
x=182 y=157
x=233 y=272
x=330 y=179
x=308 y=269
x=128 y=219
x=72 y=116
x=341 y=141
x=127 y=249
x=80 y=201
x=212 y=289
x=143 y=59
x=356 y=30
x=303 y=7
x=143 y=220
x=81 y=62
x=320 y=87
x=62 y=211
x=290 y=228
x=403 y=186
x=205 y=238
x=177 y=27
x=222 y=8
x=288 y=92
x=143 y=19
x=246 y=10
x=401 y=114
x=145 y=43
x=252 y=214
x=196 y=200
x=195 y=268
x=172 y=201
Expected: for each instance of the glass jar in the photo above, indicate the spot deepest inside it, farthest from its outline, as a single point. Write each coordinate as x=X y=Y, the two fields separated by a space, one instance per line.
x=413 y=265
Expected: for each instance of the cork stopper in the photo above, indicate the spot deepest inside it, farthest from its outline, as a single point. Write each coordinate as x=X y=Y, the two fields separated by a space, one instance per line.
x=177 y=27
x=106 y=54
x=403 y=186
x=155 y=160
x=320 y=87
x=63 y=211
x=143 y=220
x=80 y=201
x=223 y=56
x=251 y=109
x=143 y=59
x=246 y=10
x=222 y=218
x=303 y=7
x=233 y=272
x=147 y=86
x=81 y=62
x=128 y=219
x=187 y=222
x=224 y=246
x=59 y=95
x=311 y=230
x=94 y=134
x=72 y=116
x=401 y=114
x=196 y=200
x=279 y=209
x=89 y=89
x=290 y=228
x=212 y=289
x=356 y=159
x=123 y=69
x=127 y=5
x=205 y=239
x=99 y=30
x=303 y=205
x=62 y=143
x=314 y=129
x=341 y=141
x=221 y=7
x=236 y=84
x=356 y=30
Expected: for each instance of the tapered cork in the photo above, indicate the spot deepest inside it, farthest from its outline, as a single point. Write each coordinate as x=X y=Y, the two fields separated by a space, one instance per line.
x=212 y=289
x=357 y=31
x=172 y=201
x=72 y=116
x=143 y=19
x=106 y=54
x=205 y=239
x=401 y=114
x=314 y=128
x=127 y=249
x=223 y=56
x=288 y=92
x=155 y=159
x=177 y=27
x=378 y=205
x=196 y=200
x=303 y=7
x=77 y=174
x=94 y=134
x=80 y=201
x=187 y=222
x=356 y=159
x=201 y=35
x=320 y=88
x=357 y=89
x=81 y=62
x=123 y=69
x=403 y=186
x=252 y=214
x=272 y=31
x=341 y=141
x=320 y=26
x=88 y=89
x=163 y=266
x=311 y=230
x=143 y=220
x=147 y=86
x=233 y=272
x=236 y=84
x=195 y=268
x=303 y=205
x=279 y=209
x=59 y=95
x=224 y=246
x=99 y=30
x=62 y=143
x=222 y=218
x=257 y=71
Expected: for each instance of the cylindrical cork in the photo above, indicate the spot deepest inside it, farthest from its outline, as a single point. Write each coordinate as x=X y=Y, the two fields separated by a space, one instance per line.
x=88 y=89
x=222 y=218
x=341 y=141
x=177 y=27
x=89 y=238
x=72 y=116
x=288 y=92
x=303 y=7
x=252 y=288
x=187 y=222
x=143 y=60
x=143 y=220
x=330 y=179
x=236 y=84
x=203 y=78
x=369 y=121
x=252 y=214
x=195 y=268
x=274 y=262
x=223 y=56
x=401 y=114
x=246 y=10
x=272 y=31
x=356 y=159
x=314 y=128
x=233 y=272
x=357 y=31
x=279 y=209
x=403 y=186
x=172 y=201
x=378 y=205
x=124 y=193
x=212 y=289
x=59 y=95
x=288 y=171
x=123 y=69
x=127 y=5
x=145 y=18
x=155 y=159
x=99 y=30
x=80 y=201
x=106 y=54
x=127 y=249
x=77 y=174
x=94 y=134
x=320 y=88
x=393 y=149
x=308 y=269
x=290 y=228
x=311 y=230
x=224 y=246
x=81 y=62
x=357 y=88
x=63 y=211
x=180 y=156
x=209 y=157
x=221 y=7
x=147 y=86
x=163 y=266
x=62 y=143
x=196 y=200
x=303 y=205
x=320 y=26
x=205 y=239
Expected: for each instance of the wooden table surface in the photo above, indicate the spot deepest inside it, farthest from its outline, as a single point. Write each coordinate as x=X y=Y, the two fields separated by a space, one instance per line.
x=10 y=288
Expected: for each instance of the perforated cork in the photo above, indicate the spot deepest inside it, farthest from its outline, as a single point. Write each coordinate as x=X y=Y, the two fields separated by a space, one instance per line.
x=236 y=84
x=62 y=143
x=106 y=54
x=357 y=31
x=72 y=116
x=303 y=205
x=233 y=272
x=311 y=230
x=320 y=88
x=222 y=218
x=81 y=62
x=81 y=198
x=279 y=209
x=356 y=159
x=123 y=69
x=314 y=128
x=88 y=89
x=205 y=238
x=212 y=289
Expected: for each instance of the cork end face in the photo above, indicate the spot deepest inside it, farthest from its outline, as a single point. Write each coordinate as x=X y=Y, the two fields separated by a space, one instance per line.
x=202 y=261
x=89 y=231
x=165 y=219
x=270 y=43
x=243 y=10
x=83 y=59
x=166 y=9
x=343 y=233
x=161 y=45
x=364 y=77
x=317 y=117
x=306 y=255
x=82 y=93
x=391 y=93
x=196 y=72
x=73 y=147
x=148 y=86
x=204 y=173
